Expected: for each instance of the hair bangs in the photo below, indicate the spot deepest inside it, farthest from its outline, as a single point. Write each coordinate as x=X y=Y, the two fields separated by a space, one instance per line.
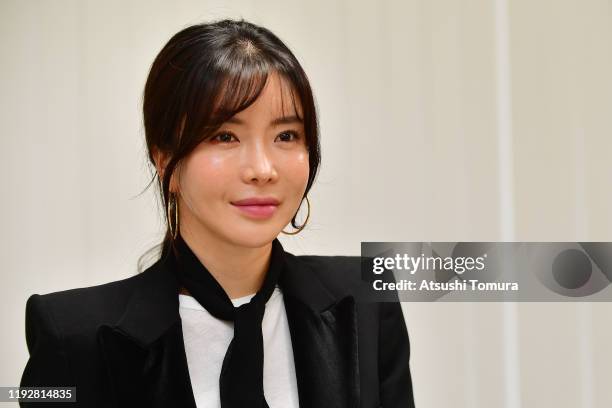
x=296 y=102
x=237 y=91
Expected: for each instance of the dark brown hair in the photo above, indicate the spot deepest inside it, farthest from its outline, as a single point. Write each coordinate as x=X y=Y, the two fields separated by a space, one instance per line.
x=203 y=76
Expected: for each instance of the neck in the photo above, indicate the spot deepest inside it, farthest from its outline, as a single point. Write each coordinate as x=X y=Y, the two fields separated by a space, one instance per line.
x=239 y=270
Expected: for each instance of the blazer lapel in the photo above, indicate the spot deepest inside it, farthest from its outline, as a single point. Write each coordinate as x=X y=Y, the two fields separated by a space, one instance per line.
x=144 y=351
x=324 y=336
x=145 y=355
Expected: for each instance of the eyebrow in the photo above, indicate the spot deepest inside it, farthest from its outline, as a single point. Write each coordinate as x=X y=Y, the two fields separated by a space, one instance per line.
x=278 y=121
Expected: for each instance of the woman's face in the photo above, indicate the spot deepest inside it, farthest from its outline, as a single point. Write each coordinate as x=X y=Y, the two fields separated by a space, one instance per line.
x=258 y=154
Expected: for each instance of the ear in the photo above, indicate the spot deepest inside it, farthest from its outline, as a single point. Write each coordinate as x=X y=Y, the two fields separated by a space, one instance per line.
x=161 y=160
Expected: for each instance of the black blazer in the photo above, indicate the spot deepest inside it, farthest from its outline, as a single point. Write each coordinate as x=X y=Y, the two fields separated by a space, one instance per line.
x=121 y=343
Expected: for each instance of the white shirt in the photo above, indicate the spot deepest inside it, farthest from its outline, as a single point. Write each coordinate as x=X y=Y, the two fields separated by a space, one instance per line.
x=206 y=341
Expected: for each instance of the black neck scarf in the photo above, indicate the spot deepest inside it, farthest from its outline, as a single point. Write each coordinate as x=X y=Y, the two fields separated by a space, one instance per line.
x=241 y=379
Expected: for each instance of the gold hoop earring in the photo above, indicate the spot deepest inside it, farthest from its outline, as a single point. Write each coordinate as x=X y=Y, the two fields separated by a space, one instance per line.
x=297 y=231
x=172 y=202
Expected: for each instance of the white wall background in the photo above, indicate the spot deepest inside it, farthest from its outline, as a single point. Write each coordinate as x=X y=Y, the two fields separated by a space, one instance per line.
x=441 y=120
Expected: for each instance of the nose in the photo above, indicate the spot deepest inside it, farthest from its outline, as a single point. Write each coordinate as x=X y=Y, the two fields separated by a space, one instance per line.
x=259 y=165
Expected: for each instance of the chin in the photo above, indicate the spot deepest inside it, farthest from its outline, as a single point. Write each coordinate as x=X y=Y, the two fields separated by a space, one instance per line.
x=255 y=237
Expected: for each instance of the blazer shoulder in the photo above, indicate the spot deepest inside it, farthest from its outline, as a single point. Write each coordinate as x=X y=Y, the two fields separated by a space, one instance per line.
x=346 y=273
x=78 y=310
x=336 y=272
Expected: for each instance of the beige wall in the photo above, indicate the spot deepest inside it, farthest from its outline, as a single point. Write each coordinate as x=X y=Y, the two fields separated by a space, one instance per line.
x=441 y=120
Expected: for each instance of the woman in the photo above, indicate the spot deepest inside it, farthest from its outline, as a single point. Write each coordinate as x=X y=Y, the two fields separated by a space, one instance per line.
x=225 y=317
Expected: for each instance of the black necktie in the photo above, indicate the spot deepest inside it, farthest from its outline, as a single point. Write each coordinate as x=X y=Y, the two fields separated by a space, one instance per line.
x=241 y=380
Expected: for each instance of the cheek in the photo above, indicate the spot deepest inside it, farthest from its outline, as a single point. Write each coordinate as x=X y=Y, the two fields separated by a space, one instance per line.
x=206 y=175
x=298 y=169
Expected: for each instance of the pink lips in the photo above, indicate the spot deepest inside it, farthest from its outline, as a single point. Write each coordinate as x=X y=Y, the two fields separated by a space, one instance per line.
x=257 y=207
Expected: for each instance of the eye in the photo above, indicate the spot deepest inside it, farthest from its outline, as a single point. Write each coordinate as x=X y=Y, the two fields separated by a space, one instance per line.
x=288 y=136
x=223 y=137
